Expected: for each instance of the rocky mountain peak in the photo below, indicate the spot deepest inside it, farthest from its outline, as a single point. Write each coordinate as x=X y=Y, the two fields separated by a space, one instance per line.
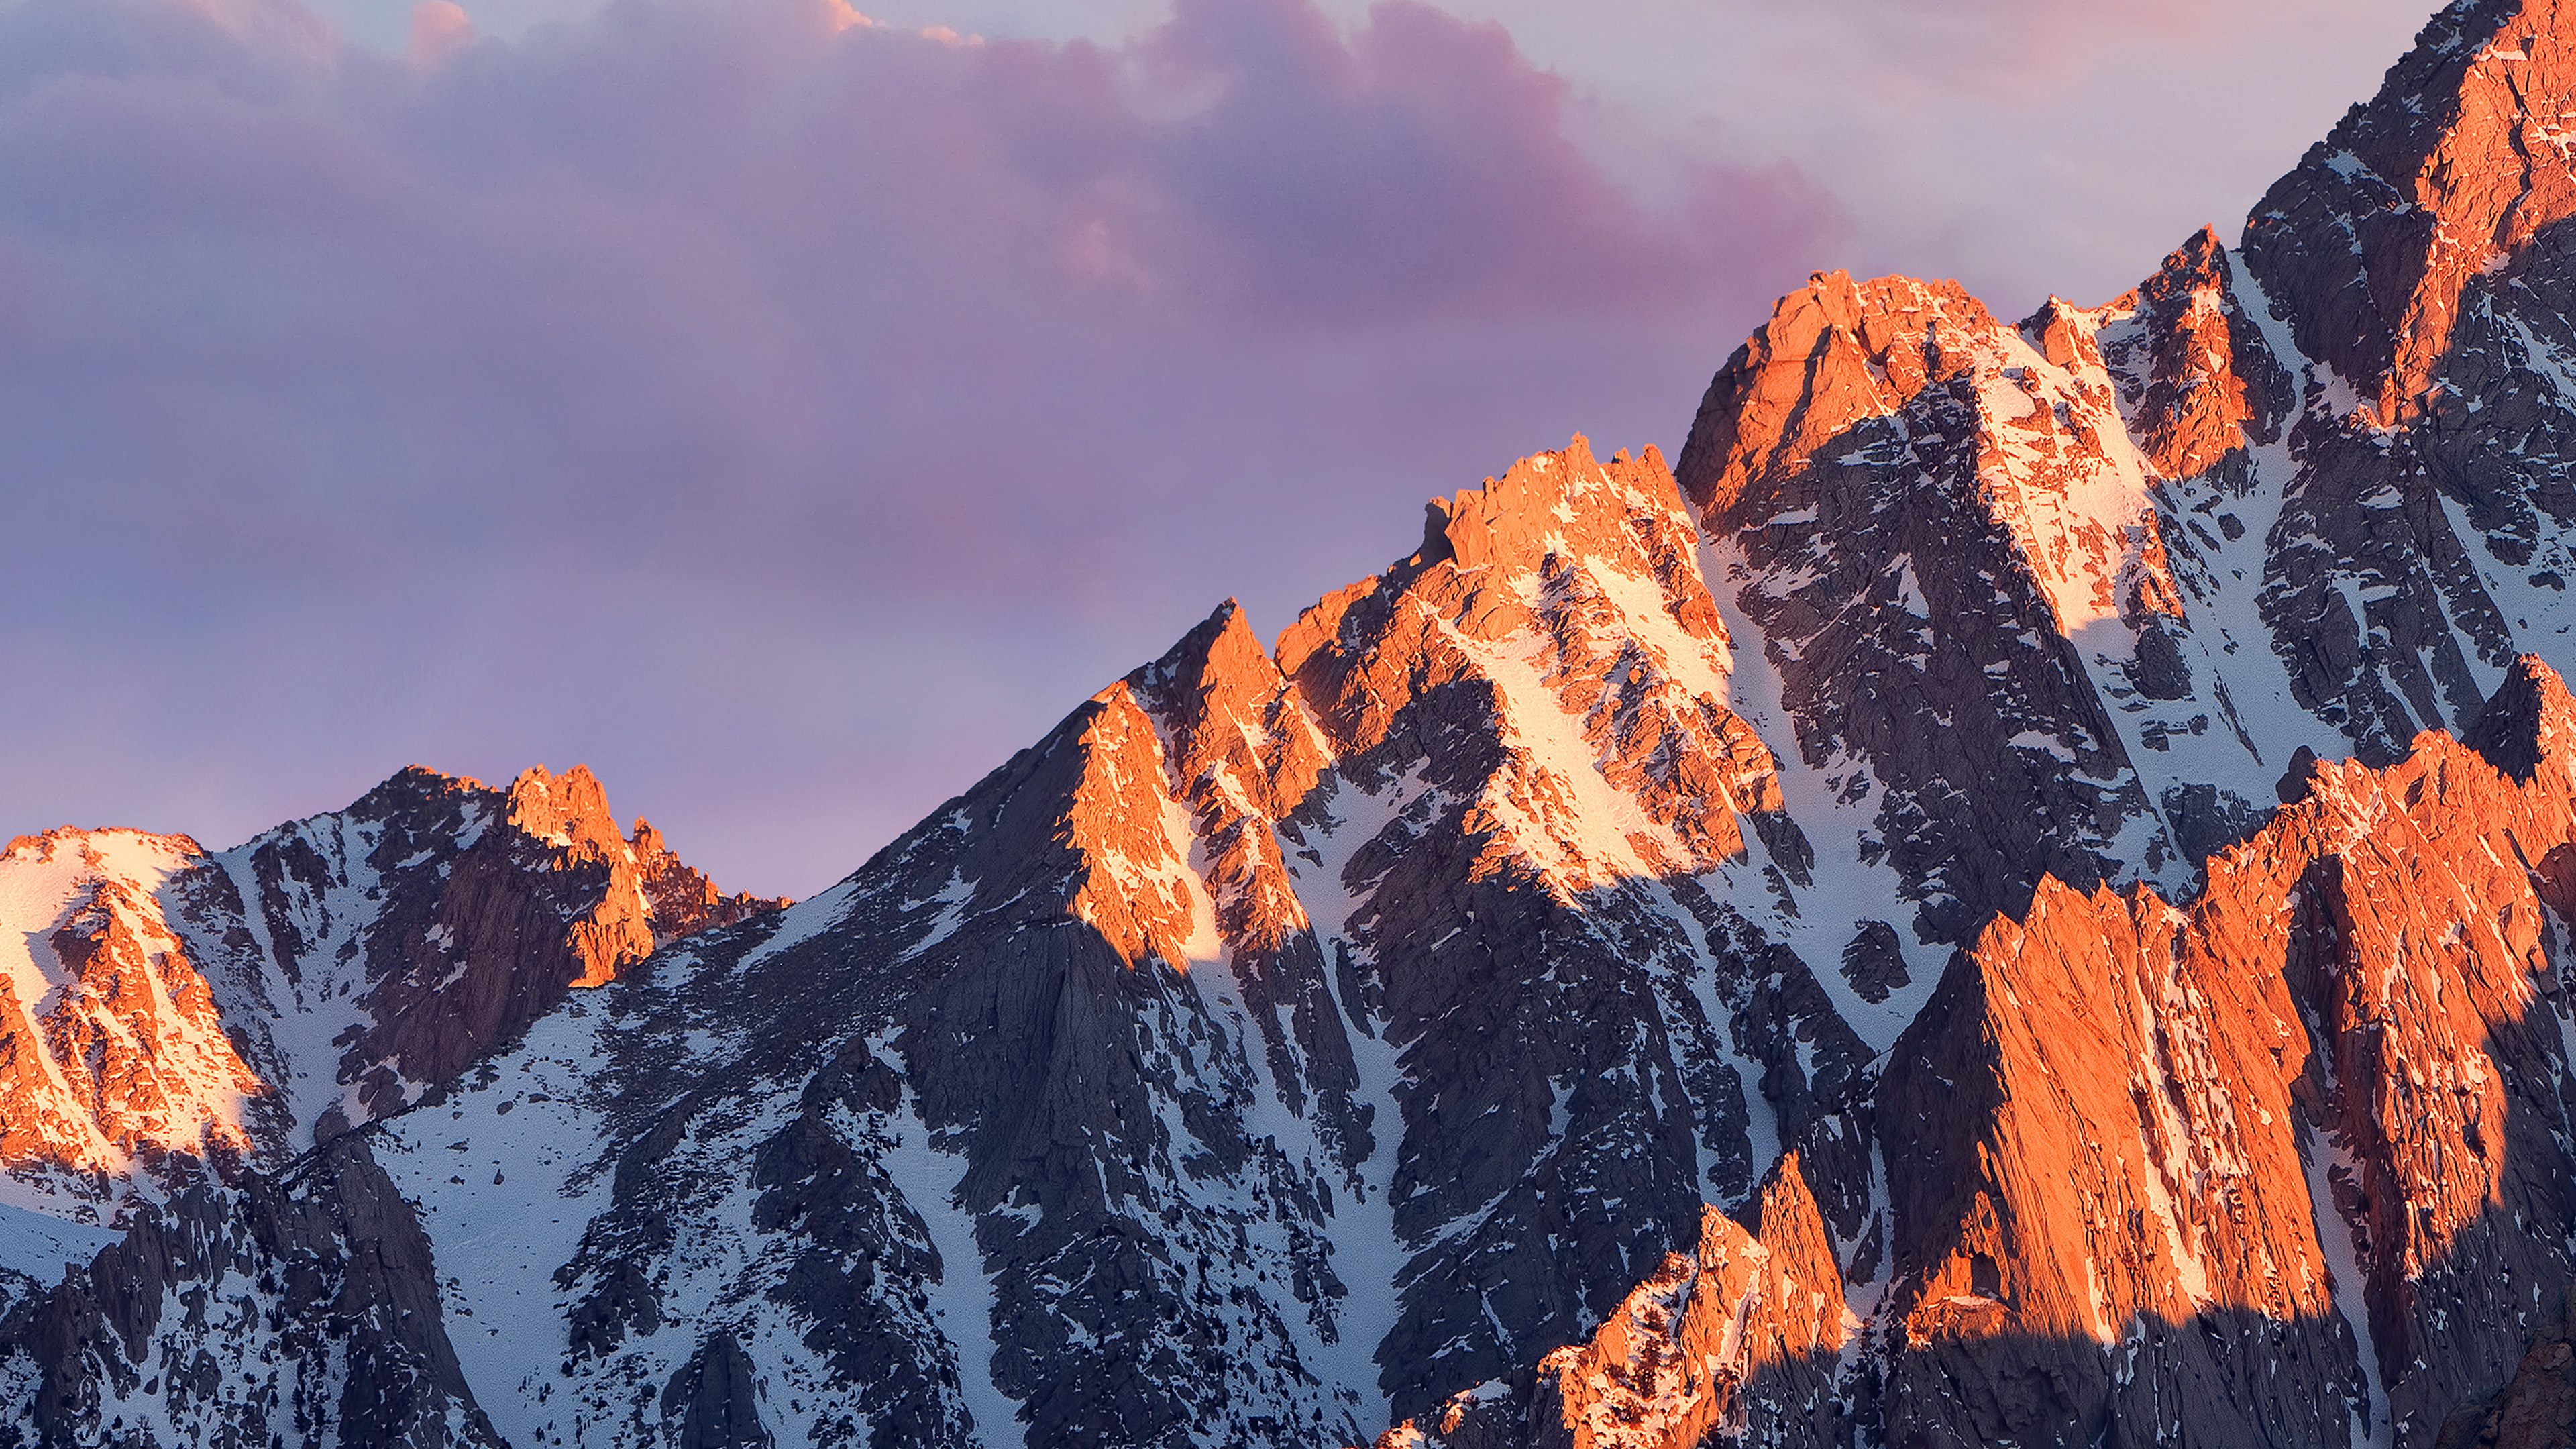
x=1896 y=487
x=681 y=899
x=2457 y=166
x=1825 y=406
x=1240 y=754
x=1233 y=723
x=167 y=1007
x=569 y=811
x=1552 y=509
x=1834 y=354
x=2198 y=382
x=2528 y=720
x=1554 y=622
x=417 y=788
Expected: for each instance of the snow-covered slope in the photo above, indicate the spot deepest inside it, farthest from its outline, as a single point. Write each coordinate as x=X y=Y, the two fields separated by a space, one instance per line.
x=190 y=1040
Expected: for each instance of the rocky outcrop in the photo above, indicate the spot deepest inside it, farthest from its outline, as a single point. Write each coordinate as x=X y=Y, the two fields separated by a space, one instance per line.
x=170 y=1009
x=2438 y=984
x=113 y=1056
x=1567 y=586
x=2199 y=385
x=2536 y=1409
x=304 y=1304
x=483 y=930
x=679 y=899
x=1748 y=1326
x=2103 y=1221
x=712 y=1401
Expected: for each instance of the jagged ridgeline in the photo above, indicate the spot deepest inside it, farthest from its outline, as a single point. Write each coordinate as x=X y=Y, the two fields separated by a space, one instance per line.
x=2018 y=894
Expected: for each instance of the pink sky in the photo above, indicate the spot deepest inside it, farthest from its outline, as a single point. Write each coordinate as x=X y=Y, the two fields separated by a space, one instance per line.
x=789 y=417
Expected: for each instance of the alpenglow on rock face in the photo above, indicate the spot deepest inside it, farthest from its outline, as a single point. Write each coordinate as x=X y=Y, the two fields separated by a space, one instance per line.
x=2018 y=893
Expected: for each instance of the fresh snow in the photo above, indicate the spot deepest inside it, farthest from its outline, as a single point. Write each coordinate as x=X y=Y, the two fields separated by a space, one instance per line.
x=41 y=1245
x=1820 y=919
x=1368 y=1255
x=2334 y=1240
x=962 y=1302
x=506 y=1210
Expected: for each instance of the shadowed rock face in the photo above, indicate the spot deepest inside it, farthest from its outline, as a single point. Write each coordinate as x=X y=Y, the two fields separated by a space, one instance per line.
x=301 y=1307
x=2536 y=1409
x=1960 y=918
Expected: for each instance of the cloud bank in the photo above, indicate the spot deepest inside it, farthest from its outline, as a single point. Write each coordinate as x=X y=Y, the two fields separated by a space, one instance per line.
x=785 y=414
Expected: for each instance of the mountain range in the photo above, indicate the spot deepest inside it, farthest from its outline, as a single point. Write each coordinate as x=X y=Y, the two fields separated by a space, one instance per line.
x=2015 y=891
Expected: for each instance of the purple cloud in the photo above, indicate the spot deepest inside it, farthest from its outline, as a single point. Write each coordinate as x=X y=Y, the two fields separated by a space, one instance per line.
x=784 y=415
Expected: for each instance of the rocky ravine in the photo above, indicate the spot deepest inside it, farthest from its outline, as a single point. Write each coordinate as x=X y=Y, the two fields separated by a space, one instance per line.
x=2019 y=894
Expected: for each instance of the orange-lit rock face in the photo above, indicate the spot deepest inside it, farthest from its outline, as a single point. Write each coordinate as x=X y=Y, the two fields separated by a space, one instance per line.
x=112 y=1052
x=2460 y=165
x=2122 y=1117
x=1567 y=593
x=653 y=897
x=570 y=814
x=1747 y=1324
x=2432 y=970
x=2033 y=412
x=1173 y=781
x=167 y=1007
x=1133 y=842
x=2114 y=1129
x=1241 y=754
x=1833 y=355
x=2198 y=383
x=679 y=898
